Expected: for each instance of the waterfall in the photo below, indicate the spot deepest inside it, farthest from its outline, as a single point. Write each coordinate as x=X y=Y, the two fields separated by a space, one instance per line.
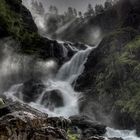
x=60 y=85
x=73 y=68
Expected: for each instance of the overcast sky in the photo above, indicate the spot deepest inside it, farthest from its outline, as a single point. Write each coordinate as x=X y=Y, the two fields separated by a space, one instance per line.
x=62 y=5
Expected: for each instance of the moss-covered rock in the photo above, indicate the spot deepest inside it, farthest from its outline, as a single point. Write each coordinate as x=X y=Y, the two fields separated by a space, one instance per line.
x=16 y=19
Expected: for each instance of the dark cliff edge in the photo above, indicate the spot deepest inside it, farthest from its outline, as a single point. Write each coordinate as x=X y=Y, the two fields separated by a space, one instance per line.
x=111 y=79
x=16 y=22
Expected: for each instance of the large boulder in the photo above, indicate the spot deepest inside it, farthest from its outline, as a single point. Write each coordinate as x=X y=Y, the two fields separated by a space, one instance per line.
x=53 y=99
x=24 y=125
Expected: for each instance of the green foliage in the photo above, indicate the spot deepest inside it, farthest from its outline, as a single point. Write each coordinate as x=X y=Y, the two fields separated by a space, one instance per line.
x=72 y=136
x=131 y=60
x=13 y=23
x=116 y=82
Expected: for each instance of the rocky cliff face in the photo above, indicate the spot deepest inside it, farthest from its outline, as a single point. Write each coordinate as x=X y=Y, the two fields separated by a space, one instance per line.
x=111 y=78
x=16 y=22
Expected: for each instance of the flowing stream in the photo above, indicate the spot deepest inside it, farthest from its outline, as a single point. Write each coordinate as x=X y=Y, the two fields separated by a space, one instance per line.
x=62 y=82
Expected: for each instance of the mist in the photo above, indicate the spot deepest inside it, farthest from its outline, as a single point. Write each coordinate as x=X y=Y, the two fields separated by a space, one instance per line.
x=18 y=68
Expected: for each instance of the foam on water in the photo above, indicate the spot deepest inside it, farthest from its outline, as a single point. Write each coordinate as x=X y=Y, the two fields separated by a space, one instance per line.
x=124 y=134
x=62 y=82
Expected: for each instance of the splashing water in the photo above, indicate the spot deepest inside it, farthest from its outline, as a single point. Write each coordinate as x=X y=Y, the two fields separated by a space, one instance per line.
x=124 y=134
x=73 y=68
x=62 y=82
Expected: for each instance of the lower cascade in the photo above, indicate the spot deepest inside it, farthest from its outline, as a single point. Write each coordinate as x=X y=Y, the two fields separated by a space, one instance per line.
x=57 y=97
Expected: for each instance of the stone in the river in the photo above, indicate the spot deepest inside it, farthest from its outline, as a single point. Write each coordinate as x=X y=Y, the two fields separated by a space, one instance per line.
x=53 y=99
x=32 y=89
x=4 y=110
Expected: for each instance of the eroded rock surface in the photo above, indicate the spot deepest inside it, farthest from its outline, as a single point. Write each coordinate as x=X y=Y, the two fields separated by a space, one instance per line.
x=26 y=123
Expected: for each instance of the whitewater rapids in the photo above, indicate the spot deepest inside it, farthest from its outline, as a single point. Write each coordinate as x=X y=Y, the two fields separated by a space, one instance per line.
x=63 y=80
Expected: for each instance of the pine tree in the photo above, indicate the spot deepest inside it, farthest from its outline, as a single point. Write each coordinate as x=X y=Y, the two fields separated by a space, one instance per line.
x=108 y=4
x=99 y=9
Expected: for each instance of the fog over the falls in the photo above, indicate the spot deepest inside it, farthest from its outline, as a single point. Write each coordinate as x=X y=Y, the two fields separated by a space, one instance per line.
x=46 y=21
x=62 y=5
x=16 y=69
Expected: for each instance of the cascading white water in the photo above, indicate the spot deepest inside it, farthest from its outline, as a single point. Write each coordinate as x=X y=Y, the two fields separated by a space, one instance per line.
x=73 y=68
x=62 y=82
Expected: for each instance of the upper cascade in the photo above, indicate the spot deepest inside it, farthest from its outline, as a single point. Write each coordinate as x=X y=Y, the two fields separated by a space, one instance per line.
x=73 y=68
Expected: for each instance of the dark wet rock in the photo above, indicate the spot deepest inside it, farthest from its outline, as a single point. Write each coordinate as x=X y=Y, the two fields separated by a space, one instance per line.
x=3 y=32
x=32 y=89
x=24 y=122
x=87 y=127
x=4 y=110
x=46 y=48
x=53 y=99
x=17 y=106
x=115 y=138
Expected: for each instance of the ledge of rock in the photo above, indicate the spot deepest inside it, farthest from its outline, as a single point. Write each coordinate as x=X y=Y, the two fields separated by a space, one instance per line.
x=25 y=123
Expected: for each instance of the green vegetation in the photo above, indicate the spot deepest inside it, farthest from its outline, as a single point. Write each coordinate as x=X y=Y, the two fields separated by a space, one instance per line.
x=72 y=136
x=119 y=77
x=13 y=23
x=131 y=60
